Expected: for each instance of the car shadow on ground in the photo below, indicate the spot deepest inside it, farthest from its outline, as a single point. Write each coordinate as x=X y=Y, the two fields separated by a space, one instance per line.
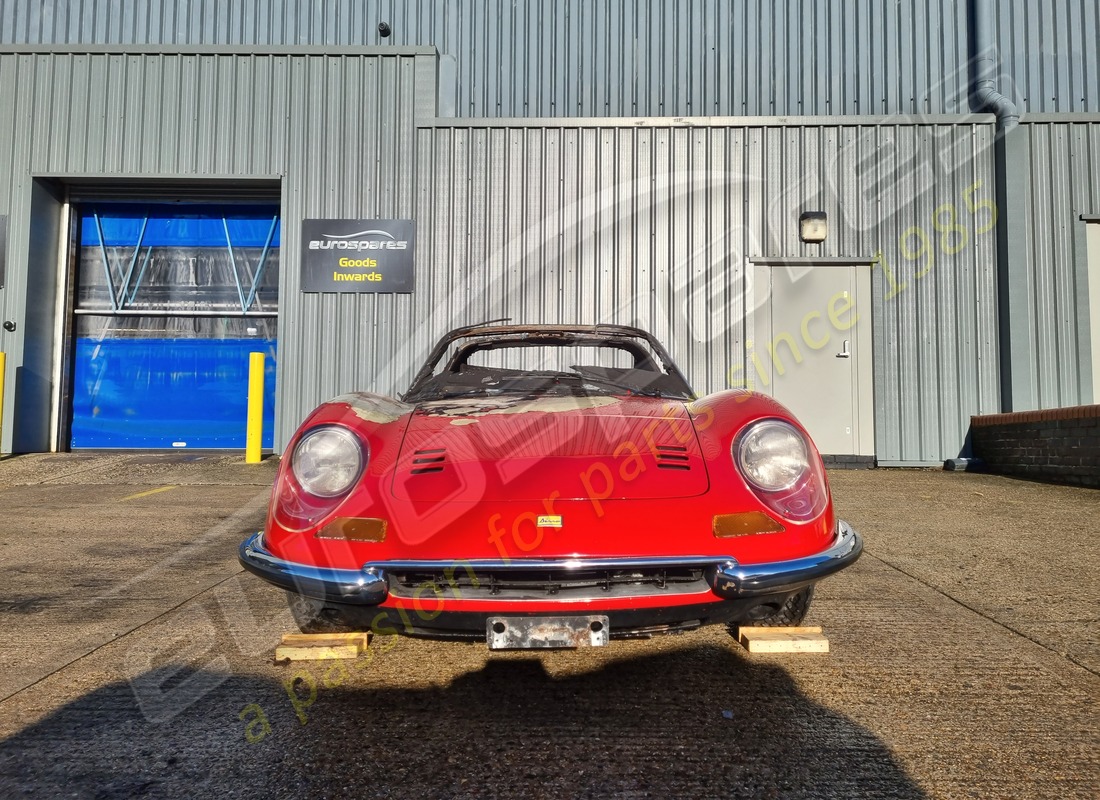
x=700 y=720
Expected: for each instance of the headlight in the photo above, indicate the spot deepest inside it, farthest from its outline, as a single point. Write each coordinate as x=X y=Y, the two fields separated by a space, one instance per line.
x=327 y=461
x=772 y=455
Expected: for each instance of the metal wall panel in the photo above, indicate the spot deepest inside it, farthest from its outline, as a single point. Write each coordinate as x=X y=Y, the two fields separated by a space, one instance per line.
x=657 y=225
x=337 y=130
x=643 y=221
x=1050 y=54
x=517 y=58
x=1060 y=162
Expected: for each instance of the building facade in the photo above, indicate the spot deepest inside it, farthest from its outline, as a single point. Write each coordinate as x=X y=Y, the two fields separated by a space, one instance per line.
x=563 y=161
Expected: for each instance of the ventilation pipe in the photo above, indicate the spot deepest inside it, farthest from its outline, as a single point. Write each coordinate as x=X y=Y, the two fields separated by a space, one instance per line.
x=985 y=93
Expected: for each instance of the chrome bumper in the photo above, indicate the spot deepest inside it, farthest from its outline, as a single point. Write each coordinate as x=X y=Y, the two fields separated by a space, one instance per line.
x=727 y=578
x=730 y=579
x=355 y=586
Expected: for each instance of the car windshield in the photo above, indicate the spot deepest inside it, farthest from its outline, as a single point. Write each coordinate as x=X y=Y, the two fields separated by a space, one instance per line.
x=520 y=361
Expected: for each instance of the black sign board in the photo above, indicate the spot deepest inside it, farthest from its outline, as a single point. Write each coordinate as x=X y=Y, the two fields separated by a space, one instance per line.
x=358 y=255
x=3 y=247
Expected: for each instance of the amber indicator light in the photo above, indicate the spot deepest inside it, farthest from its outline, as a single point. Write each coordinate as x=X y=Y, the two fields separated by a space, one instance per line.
x=745 y=524
x=354 y=529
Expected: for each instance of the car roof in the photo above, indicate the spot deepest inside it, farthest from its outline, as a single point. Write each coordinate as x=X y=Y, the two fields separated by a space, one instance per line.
x=489 y=329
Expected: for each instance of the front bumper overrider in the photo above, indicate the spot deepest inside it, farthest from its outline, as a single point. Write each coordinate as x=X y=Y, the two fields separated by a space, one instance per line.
x=724 y=575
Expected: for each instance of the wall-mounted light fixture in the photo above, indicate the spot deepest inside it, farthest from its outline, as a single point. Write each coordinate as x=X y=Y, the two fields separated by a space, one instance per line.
x=813 y=226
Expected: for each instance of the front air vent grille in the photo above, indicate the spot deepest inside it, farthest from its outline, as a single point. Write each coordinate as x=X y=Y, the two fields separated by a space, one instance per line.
x=532 y=584
x=428 y=461
x=671 y=456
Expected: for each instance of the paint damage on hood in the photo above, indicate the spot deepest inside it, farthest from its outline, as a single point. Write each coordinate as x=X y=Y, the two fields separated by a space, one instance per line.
x=469 y=410
x=371 y=407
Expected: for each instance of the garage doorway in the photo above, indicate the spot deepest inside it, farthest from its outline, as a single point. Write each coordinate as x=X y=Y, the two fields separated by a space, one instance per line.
x=812 y=351
x=169 y=300
x=1092 y=238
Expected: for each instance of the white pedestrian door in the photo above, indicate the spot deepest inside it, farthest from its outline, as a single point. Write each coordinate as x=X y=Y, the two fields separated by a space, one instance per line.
x=812 y=352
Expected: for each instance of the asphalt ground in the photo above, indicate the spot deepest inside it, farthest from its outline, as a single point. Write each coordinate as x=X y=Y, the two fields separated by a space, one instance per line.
x=137 y=661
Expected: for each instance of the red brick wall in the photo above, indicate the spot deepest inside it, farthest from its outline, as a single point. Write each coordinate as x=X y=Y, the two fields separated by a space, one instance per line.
x=1059 y=444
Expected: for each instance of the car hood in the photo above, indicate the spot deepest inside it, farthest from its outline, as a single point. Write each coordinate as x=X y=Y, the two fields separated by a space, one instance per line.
x=533 y=448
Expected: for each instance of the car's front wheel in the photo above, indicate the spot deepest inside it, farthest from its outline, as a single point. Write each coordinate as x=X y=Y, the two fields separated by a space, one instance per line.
x=788 y=615
x=312 y=616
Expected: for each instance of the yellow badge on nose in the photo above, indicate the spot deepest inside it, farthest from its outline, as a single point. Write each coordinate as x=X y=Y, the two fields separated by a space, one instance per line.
x=549 y=521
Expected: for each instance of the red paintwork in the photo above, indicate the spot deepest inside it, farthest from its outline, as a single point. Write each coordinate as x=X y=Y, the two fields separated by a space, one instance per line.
x=509 y=450
x=503 y=469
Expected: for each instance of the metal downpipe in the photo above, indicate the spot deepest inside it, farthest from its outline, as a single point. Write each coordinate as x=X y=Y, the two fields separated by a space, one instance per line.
x=984 y=91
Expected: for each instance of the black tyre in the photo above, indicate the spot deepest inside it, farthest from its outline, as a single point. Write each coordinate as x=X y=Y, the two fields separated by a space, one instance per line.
x=313 y=617
x=789 y=615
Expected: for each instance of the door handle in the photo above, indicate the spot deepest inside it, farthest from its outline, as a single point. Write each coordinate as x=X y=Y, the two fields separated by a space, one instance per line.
x=845 y=353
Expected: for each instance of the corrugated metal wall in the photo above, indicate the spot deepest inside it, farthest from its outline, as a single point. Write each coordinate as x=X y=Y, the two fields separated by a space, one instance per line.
x=1060 y=173
x=656 y=226
x=642 y=57
x=552 y=221
x=337 y=129
x=1050 y=54
x=133 y=114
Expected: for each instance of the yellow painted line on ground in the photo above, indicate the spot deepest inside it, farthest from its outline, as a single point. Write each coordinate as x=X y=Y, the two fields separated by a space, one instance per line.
x=145 y=494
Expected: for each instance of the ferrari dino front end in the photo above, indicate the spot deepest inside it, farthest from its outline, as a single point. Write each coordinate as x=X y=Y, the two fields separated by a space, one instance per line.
x=549 y=486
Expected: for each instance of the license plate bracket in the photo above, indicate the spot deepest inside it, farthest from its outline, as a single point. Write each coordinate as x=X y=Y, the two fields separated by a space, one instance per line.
x=546 y=633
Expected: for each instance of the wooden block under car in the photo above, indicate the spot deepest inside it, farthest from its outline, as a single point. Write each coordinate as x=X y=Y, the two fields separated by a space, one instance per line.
x=318 y=646
x=783 y=640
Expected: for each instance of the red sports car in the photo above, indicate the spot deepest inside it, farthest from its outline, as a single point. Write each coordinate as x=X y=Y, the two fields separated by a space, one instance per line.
x=549 y=486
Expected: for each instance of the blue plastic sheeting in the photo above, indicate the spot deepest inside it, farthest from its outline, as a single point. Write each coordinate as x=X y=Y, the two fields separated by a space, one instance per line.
x=190 y=225
x=167 y=393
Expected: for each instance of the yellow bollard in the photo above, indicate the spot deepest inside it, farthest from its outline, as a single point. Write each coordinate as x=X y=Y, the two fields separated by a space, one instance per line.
x=3 y=371
x=253 y=436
